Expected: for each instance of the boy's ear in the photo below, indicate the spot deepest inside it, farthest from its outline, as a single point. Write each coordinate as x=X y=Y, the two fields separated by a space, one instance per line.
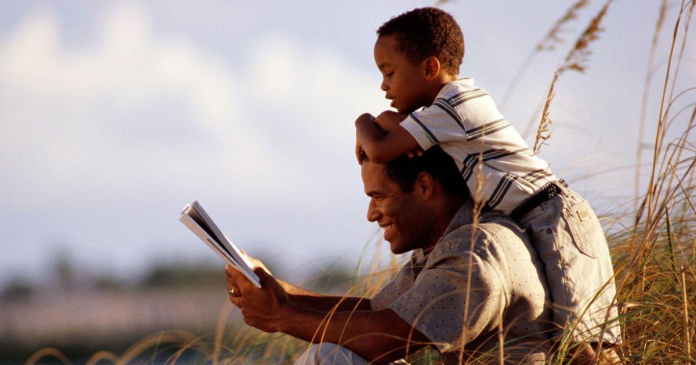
x=431 y=67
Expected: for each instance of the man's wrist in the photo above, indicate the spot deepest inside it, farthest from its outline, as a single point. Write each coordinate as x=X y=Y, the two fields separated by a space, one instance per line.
x=286 y=313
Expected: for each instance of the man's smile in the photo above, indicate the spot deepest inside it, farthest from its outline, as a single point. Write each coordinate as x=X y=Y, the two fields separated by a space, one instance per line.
x=388 y=231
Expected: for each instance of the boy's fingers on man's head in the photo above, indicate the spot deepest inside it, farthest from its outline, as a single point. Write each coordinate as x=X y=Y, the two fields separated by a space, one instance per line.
x=417 y=152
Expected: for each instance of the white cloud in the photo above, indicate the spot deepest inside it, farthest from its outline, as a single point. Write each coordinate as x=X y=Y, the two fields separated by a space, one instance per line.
x=64 y=104
x=121 y=128
x=82 y=106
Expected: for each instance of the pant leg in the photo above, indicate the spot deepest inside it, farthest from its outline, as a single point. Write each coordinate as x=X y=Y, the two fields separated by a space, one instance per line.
x=567 y=235
x=327 y=353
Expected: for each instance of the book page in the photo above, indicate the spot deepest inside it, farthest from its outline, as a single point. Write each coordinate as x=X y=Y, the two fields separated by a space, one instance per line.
x=198 y=221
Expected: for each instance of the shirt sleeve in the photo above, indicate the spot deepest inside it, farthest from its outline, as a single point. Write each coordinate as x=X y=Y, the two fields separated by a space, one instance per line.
x=439 y=123
x=454 y=300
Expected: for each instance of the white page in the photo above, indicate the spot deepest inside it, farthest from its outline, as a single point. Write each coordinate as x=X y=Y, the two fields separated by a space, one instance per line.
x=198 y=231
x=221 y=238
x=204 y=228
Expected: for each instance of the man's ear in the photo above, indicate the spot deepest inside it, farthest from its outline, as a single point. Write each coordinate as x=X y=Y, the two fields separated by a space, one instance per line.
x=431 y=66
x=425 y=185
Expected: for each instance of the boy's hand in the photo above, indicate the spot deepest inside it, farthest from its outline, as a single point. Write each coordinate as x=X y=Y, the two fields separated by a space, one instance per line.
x=358 y=146
x=358 y=150
x=389 y=120
x=416 y=152
x=380 y=146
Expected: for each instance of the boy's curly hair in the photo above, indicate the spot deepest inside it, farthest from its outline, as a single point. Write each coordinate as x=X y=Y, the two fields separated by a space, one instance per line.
x=427 y=32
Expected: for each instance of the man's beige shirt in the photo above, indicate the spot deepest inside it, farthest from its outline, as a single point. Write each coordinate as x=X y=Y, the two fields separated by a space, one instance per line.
x=480 y=282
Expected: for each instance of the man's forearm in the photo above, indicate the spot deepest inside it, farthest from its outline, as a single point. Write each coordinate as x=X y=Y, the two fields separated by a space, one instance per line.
x=323 y=303
x=313 y=317
x=379 y=336
x=327 y=303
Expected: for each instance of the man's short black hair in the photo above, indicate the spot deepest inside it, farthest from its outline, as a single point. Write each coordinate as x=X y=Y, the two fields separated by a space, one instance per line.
x=426 y=32
x=404 y=171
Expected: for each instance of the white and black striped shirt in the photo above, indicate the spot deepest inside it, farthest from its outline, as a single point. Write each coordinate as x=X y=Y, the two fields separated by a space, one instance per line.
x=465 y=122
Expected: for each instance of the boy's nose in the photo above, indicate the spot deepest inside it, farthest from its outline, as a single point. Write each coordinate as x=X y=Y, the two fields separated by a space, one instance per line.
x=384 y=86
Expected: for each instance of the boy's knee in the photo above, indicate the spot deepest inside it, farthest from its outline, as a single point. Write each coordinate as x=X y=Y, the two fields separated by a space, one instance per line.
x=317 y=353
x=329 y=353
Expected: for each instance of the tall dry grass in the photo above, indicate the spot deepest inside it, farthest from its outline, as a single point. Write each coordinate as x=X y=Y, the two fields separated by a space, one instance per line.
x=653 y=258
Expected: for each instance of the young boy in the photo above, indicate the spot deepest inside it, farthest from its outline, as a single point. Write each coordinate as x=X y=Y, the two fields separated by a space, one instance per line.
x=418 y=54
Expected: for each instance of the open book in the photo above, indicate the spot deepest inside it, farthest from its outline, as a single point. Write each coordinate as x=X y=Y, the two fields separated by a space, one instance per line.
x=199 y=222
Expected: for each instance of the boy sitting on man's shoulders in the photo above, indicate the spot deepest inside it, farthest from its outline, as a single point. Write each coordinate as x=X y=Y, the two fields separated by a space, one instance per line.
x=419 y=54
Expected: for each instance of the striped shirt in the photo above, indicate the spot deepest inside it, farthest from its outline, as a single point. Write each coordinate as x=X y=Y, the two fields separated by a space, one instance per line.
x=467 y=125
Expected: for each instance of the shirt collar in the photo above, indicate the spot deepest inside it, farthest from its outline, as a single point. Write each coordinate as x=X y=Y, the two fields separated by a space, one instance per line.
x=464 y=216
x=468 y=81
x=418 y=257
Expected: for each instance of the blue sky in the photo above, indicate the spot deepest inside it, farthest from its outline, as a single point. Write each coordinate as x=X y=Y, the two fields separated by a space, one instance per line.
x=115 y=115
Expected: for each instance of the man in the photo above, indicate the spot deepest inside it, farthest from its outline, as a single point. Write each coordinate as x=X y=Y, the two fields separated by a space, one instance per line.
x=472 y=281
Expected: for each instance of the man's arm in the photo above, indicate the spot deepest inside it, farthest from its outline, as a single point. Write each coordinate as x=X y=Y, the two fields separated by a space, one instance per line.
x=379 y=336
x=383 y=146
x=320 y=302
x=307 y=299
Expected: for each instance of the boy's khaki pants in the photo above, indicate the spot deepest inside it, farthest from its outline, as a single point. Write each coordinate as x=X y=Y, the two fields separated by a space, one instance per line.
x=567 y=235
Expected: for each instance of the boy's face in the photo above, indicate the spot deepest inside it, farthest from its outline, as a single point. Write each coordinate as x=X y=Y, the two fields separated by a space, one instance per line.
x=403 y=81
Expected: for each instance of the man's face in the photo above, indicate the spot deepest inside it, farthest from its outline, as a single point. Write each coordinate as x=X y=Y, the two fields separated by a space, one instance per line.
x=403 y=81
x=400 y=214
